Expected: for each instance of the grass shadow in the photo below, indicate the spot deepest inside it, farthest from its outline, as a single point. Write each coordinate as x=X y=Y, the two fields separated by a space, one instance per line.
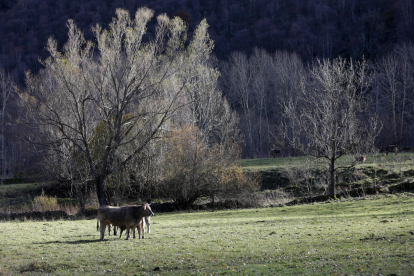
x=79 y=236
x=71 y=242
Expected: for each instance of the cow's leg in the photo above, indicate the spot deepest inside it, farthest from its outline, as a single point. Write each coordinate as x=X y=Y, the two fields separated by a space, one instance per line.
x=148 y=222
x=121 y=228
x=140 y=227
x=103 y=226
x=139 y=231
x=115 y=230
x=109 y=229
x=128 y=227
x=133 y=231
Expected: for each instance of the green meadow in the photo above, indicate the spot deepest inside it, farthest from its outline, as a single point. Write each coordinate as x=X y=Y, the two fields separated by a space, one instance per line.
x=368 y=236
x=380 y=173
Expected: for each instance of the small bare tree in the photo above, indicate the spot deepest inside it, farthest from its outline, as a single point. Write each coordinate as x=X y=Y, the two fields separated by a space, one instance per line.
x=328 y=119
x=80 y=90
x=6 y=89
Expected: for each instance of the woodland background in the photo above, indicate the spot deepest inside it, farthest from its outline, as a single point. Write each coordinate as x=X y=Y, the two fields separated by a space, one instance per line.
x=270 y=41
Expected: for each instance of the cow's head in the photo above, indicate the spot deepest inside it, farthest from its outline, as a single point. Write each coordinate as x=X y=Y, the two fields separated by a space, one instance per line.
x=147 y=210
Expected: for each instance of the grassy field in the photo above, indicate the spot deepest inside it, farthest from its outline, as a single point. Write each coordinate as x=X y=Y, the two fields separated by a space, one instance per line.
x=404 y=159
x=360 y=237
x=392 y=173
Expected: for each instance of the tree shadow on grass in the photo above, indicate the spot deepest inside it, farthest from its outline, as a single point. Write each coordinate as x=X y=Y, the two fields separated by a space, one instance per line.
x=71 y=242
x=80 y=236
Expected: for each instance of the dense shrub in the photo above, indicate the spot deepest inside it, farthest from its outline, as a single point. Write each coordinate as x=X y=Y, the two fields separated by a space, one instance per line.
x=195 y=169
x=45 y=203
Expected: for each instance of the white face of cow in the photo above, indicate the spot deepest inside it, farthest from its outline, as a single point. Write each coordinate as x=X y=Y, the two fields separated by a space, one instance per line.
x=147 y=211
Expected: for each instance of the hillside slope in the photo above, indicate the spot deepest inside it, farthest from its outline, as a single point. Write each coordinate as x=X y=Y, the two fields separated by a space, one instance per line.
x=310 y=28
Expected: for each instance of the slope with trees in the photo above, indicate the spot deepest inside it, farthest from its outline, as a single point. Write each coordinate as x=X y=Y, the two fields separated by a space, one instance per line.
x=257 y=82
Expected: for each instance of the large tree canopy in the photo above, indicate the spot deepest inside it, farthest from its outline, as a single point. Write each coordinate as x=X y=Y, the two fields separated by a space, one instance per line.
x=86 y=90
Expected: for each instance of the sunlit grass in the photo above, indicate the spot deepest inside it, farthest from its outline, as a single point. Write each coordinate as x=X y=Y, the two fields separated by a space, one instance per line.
x=270 y=163
x=404 y=160
x=372 y=236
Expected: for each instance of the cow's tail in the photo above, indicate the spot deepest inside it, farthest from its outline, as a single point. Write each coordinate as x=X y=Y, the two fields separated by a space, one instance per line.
x=97 y=225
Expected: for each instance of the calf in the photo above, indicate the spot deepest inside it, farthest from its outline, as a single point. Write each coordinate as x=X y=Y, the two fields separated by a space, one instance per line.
x=140 y=226
x=127 y=217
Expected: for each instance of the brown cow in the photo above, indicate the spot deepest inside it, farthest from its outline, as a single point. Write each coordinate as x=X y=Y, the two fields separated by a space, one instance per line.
x=128 y=216
x=140 y=226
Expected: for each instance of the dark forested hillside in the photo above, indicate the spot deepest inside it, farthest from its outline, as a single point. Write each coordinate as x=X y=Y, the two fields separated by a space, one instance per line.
x=310 y=28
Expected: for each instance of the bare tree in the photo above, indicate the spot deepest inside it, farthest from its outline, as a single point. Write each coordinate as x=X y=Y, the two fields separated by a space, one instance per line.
x=328 y=118
x=208 y=109
x=248 y=82
x=257 y=86
x=129 y=89
x=260 y=64
x=406 y=56
x=239 y=80
x=287 y=69
x=6 y=89
x=394 y=91
x=388 y=85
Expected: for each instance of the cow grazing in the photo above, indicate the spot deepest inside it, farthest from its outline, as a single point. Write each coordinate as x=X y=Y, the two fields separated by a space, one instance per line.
x=128 y=216
x=140 y=226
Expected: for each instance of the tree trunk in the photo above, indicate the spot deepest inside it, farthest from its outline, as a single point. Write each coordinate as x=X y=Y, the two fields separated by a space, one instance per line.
x=81 y=195
x=3 y=161
x=100 y=184
x=331 y=189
